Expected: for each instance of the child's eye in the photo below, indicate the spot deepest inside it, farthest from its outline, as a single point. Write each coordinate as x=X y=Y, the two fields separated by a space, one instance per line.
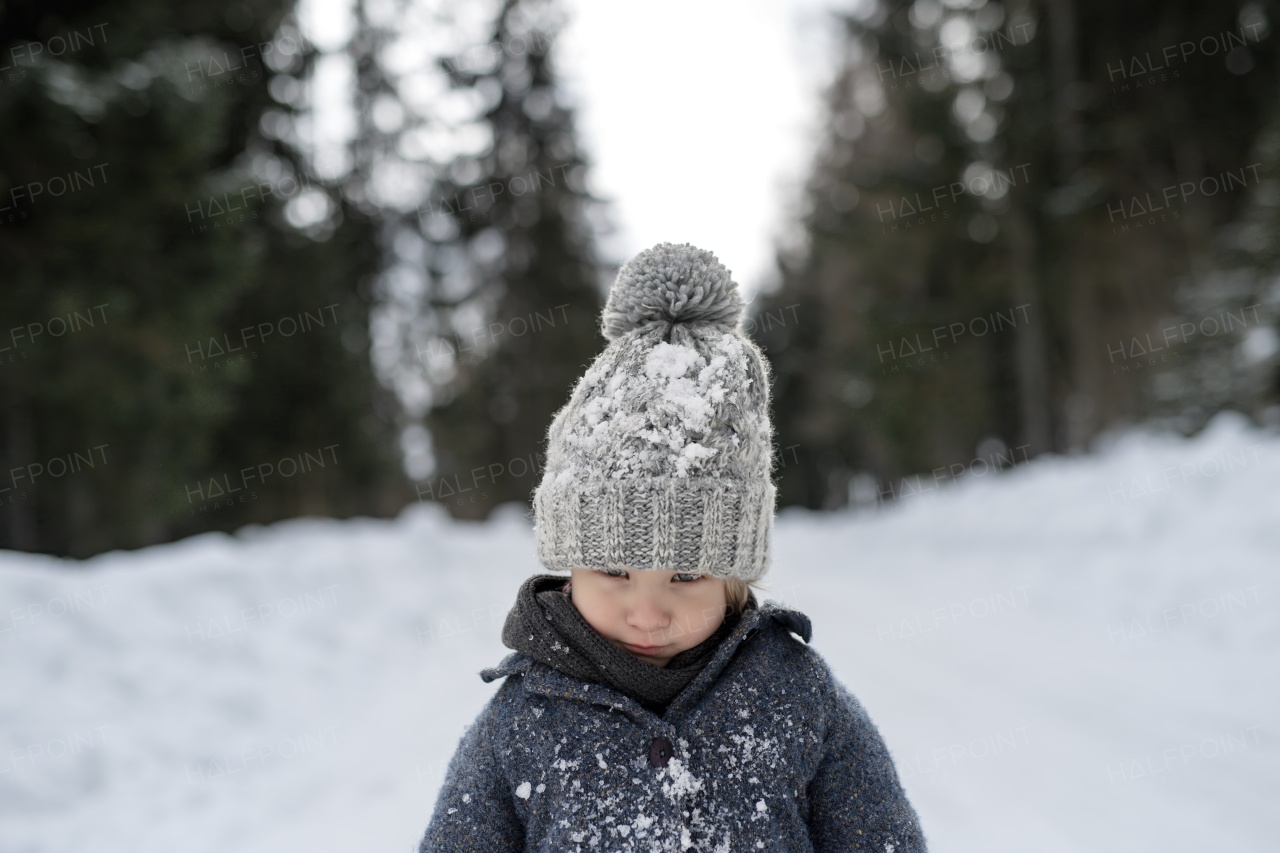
x=684 y=577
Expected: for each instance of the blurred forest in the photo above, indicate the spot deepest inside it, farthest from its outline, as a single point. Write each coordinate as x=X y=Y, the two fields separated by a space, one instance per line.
x=1025 y=224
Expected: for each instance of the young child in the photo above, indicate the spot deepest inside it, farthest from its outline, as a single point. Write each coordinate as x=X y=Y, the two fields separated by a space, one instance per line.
x=651 y=704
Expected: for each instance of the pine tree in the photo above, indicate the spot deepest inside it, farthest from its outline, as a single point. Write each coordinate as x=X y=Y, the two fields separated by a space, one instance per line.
x=514 y=293
x=173 y=125
x=1227 y=332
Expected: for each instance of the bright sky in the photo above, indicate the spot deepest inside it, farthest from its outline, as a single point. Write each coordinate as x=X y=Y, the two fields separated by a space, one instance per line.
x=698 y=118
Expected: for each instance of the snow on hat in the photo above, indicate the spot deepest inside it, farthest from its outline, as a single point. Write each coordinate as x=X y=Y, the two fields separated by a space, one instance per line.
x=662 y=457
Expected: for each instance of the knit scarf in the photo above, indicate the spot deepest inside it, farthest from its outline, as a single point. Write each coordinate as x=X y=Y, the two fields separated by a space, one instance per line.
x=546 y=626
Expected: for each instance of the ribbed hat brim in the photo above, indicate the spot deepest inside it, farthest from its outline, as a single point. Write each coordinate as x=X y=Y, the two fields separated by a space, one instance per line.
x=708 y=525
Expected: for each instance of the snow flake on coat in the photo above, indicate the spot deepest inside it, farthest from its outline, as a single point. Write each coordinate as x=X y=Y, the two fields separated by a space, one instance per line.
x=764 y=750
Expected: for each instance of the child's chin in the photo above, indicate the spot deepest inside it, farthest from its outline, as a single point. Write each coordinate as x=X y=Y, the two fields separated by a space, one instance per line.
x=656 y=661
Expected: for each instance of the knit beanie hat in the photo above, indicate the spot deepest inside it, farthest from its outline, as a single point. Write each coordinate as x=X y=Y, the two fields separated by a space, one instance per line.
x=662 y=457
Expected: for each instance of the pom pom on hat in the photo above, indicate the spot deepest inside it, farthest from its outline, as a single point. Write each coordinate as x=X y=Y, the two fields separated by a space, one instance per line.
x=673 y=284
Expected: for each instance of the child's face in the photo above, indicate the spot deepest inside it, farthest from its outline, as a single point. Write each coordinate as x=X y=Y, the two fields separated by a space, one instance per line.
x=674 y=611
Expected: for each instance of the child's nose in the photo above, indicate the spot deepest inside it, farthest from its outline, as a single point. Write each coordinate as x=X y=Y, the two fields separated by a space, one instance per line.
x=648 y=614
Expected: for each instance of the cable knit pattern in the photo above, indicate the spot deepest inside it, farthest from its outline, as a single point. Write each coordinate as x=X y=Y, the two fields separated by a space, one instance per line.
x=662 y=457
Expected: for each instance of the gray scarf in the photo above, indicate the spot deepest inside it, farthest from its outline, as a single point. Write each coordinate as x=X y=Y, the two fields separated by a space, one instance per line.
x=546 y=626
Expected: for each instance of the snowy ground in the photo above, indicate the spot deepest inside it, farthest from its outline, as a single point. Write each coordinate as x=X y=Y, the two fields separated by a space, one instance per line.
x=1076 y=655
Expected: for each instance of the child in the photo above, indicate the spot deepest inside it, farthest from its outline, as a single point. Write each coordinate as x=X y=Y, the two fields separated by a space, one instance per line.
x=651 y=703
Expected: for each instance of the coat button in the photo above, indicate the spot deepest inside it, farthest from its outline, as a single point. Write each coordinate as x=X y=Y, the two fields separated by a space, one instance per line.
x=660 y=751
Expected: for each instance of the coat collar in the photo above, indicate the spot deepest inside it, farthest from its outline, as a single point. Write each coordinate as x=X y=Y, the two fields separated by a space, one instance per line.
x=540 y=678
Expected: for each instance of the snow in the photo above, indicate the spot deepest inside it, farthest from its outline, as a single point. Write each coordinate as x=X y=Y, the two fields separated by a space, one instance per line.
x=679 y=782
x=670 y=403
x=1077 y=654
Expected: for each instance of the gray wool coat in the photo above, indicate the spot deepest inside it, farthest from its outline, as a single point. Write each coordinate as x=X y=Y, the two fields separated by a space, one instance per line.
x=764 y=750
